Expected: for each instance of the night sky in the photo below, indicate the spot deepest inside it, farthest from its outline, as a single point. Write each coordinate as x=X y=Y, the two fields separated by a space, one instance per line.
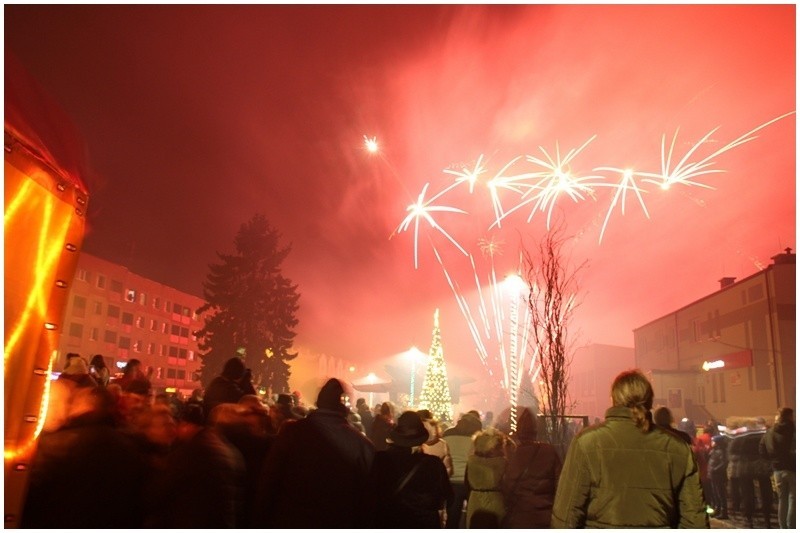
x=194 y=118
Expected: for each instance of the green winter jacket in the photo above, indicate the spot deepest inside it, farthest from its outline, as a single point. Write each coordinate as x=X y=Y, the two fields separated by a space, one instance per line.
x=616 y=476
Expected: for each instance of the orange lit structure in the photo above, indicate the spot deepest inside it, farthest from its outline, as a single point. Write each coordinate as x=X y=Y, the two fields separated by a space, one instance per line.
x=44 y=224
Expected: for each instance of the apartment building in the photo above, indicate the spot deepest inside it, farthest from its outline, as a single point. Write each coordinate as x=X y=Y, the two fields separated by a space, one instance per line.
x=121 y=315
x=731 y=353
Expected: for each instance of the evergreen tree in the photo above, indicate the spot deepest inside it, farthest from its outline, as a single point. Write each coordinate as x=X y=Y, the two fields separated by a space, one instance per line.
x=435 y=390
x=251 y=308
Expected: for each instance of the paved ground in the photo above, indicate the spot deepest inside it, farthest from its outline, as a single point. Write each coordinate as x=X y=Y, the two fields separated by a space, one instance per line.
x=737 y=521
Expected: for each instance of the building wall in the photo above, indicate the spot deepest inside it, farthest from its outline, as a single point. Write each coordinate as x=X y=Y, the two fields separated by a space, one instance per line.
x=121 y=315
x=593 y=369
x=731 y=353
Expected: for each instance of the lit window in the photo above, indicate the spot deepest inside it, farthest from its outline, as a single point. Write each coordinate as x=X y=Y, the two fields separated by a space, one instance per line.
x=139 y=321
x=142 y=299
x=130 y=295
x=137 y=346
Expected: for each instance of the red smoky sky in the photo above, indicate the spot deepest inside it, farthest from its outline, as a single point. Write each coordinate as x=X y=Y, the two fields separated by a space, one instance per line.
x=196 y=117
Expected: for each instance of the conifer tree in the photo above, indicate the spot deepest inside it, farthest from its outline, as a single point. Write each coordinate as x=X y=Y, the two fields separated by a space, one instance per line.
x=250 y=308
x=435 y=391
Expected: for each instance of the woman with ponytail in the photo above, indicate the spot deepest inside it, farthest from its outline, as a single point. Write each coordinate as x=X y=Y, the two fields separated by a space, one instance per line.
x=627 y=472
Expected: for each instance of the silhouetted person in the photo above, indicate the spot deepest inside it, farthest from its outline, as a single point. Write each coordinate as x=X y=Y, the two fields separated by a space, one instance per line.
x=459 y=440
x=229 y=386
x=718 y=473
x=626 y=473
x=778 y=445
x=486 y=468
x=99 y=371
x=88 y=474
x=531 y=478
x=381 y=426
x=408 y=488
x=202 y=486
x=365 y=413
x=662 y=417
x=315 y=474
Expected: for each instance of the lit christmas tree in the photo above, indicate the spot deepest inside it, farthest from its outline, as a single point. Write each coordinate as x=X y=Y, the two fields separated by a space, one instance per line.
x=435 y=390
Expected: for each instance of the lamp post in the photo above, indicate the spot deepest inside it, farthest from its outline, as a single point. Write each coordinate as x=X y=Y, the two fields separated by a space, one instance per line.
x=371 y=379
x=414 y=354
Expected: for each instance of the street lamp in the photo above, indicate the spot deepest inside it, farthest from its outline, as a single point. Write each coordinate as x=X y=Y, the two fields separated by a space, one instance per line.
x=371 y=377
x=415 y=355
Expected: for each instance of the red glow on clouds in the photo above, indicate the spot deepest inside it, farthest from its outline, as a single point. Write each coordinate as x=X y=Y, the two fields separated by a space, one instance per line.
x=190 y=138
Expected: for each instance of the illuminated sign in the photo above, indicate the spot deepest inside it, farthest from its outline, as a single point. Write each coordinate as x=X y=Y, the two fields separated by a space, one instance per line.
x=710 y=365
x=727 y=361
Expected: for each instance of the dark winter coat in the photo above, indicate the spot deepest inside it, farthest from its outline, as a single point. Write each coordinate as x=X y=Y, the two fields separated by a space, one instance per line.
x=86 y=475
x=744 y=461
x=615 y=475
x=202 y=486
x=381 y=426
x=224 y=390
x=315 y=475
x=417 y=504
x=529 y=485
x=778 y=445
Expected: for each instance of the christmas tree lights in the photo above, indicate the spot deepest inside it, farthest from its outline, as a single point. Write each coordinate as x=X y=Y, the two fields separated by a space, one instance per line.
x=435 y=390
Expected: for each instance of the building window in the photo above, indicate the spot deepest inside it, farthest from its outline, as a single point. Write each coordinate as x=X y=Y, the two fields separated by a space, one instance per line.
x=181 y=374
x=177 y=308
x=151 y=348
x=142 y=298
x=130 y=295
x=93 y=335
x=173 y=351
x=170 y=373
x=125 y=343
x=82 y=275
x=101 y=281
x=113 y=311
x=156 y=303
x=185 y=332
x=175 y=330
x=116 y=286
x=137 y=346
x=163 y=327
x=190 y=355
x=140 y=322
x=159 y=373
x=76 y=330
x=182 y=353
x=127 y=319
x=163 y=349
x=98 y=308
x=79 y=306
x=110 y=336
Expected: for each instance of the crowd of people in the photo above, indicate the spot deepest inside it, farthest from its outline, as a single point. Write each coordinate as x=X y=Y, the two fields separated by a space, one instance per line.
x=113 y=455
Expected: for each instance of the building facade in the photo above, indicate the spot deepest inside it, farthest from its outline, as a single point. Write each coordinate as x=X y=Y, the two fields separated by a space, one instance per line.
x=731 y=353
x=592 y=371
x=121 y=315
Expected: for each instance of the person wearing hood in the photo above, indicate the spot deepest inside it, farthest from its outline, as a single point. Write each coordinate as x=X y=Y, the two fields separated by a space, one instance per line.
x=409 y=489
x=459 y=441
x=531 y=477
x=315 y=474
x=229 y=387
x=778 y=445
